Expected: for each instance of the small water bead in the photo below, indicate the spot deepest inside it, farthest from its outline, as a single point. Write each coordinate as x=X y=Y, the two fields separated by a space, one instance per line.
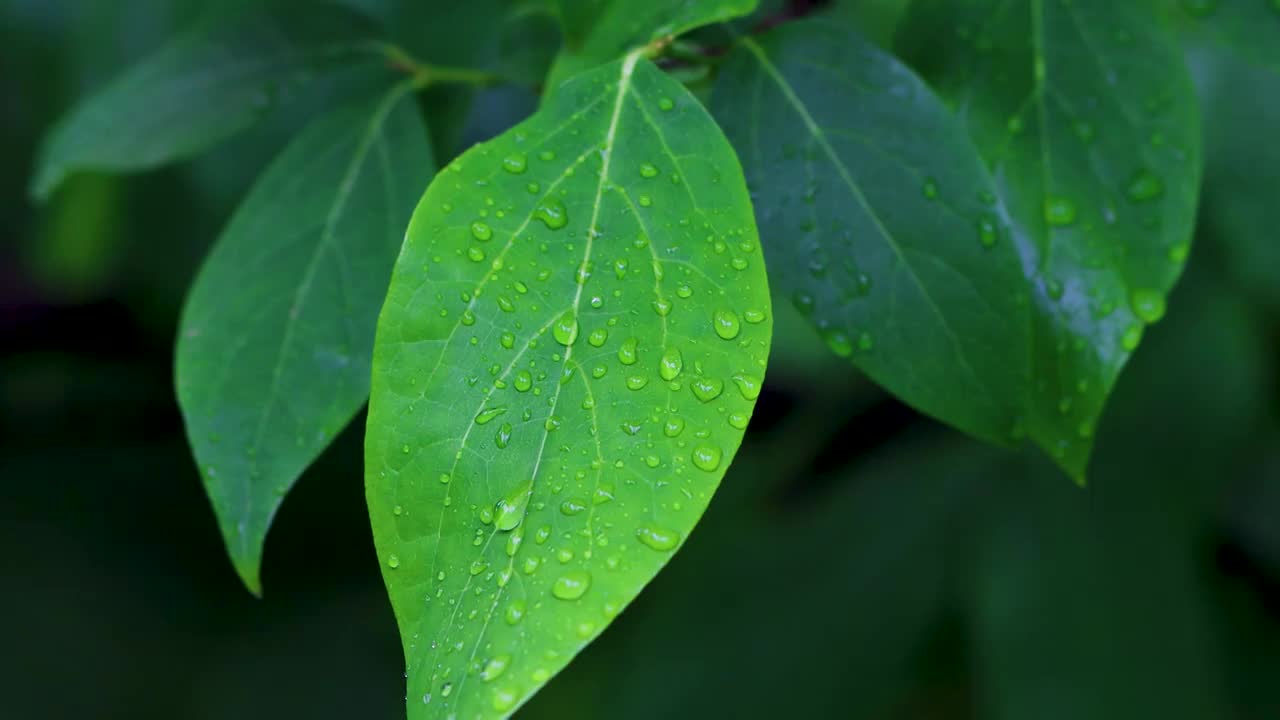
x=487 y=415
x=739 y=420
x=505 y=304
x=671 y=364
x=1059 y=211
x=547 y=155
x=753 y=316
x=629 y=352
x=572 y=585
x=508 y=340
x=1144 y=186
x=930 y=189
x=648 y=170
x=646 y=201
x=987 y=231
x=1147 y=304
x=839 y=342
x=393 y=561
x=573 y=506
x=514 y=612
x=445 y=478
x=398 y=510
x=726 y=324
x=504 y=699
x=475 y=254
x=684 y=292
x=637 y=382
x=565 y=329
x=598 y=337
x=481 y=231
x=658 y=538
x=662 y=306
x=707 y=389
x=515 y=164
x=552 y=213
x=665 y=104
x=533 y=188
x=706 y=457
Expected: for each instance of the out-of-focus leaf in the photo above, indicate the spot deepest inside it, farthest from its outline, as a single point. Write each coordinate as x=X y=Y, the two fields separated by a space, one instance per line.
x=1248 y=28
x=1241 y=215
x=273 y=356
x=1086 y=116
x=870 y=199
x=619 y=26
x=205 y=86
x=572 y=345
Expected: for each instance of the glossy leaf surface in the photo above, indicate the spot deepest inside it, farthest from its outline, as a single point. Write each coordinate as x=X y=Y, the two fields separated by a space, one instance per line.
x=598 y=31
x=880 y=221
x=571 y=347
x=1086 y=115
x=203 y=87
x=273 y=356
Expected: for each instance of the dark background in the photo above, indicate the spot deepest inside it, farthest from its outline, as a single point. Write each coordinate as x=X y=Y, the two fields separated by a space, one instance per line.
x=859 y=561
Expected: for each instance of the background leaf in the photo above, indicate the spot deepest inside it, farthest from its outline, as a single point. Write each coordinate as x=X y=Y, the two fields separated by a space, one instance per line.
x=605 y=29
x=880 y=221
x=1248 y=28
x=203 y=87
x=571 y=347
x=273 y=355
x=1086 y=115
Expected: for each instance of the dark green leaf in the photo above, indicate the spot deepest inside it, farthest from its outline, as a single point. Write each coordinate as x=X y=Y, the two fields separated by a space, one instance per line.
x=205 y=86
x=881 y=222
x=598 y=31
x=273 y=356
x=1248 y=28
x=572 y=344
x=1085 y=113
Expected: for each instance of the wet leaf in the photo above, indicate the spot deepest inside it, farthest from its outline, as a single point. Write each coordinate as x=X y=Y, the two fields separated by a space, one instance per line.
x=571 y=347
x=273 y=356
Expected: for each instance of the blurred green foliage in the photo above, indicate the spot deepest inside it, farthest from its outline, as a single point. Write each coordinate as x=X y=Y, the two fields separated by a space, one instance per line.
x=858 y=562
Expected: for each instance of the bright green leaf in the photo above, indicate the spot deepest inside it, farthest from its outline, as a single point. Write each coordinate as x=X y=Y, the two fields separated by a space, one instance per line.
x=273 y=355
x=573 y=341
x=1086 y=117
x=203 y=87
x=598 y=31
x=881 y=222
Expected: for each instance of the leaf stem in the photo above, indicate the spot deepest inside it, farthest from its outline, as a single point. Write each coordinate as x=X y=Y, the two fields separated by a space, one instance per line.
x=425 y=75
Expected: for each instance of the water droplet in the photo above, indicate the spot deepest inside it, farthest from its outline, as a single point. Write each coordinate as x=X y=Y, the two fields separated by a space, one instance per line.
x=726 y=324
x=636 y=382
x=508 y=340
x=503 y=699
x=753 y=316
x=839 y=342
x=665 y=104
x=552 y=213
x=648 y=170
x=1178 y=253
x=748 y=385
x=707 y=389
x=515 y=164
x=565 y=329
x=503 y=437
x=1147 y=304
x=706 y=457
x=475 y=254
x=573 y=506
x=658 y=538
x=930 y=189
x=572 y=585
x=673 y=426
x=1144 y=186
x=1059 y=211
x=481 y=231
x=509 y=511
x=478 y=566
x=523 y=381
x=671 y=364
x=515 y=612
x=446 y=689
x=1132 y=337
x=662 y=306
x=495 y=667
x=488 y=414
x=739 y=420
x=628 y=353
x=987 y=232
x=393 y=561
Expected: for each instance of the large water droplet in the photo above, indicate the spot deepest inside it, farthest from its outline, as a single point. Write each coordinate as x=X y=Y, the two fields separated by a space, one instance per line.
x=726 y=324
x=629 y=353
x=748 y=385
x=706 y=457
x=495 y=667
x=707 y=389
x=658 y=538
x=487 y=415
x=552 y=213
x=565 y=329
x=509 y=511
x=571 y=585
x=515 y=164
x=671 y=364
x=481 y=231
x=1147 y=304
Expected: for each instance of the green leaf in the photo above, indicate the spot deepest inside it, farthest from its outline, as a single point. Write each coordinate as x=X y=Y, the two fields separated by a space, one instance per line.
x=1248 y=28
x=1086 y=116
x=202 y=88
x=871 y=204
x=573 y=341
x=598 y=31
x=273 y=355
